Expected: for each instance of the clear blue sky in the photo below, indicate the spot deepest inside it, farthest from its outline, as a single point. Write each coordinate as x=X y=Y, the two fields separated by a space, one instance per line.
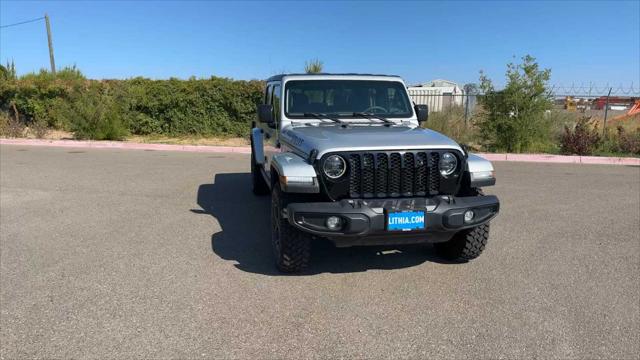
x=585 y=42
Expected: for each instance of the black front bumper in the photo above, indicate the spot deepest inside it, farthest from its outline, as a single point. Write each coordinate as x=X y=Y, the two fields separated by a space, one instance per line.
x=364 y=220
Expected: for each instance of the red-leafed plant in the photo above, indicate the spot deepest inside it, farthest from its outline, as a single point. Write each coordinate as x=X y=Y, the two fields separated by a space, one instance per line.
x=583 y=139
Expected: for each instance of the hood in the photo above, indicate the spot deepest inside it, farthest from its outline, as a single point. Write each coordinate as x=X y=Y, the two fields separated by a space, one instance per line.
x=360 y=138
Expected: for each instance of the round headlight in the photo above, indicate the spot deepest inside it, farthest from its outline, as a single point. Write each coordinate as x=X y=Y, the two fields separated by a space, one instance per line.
x=448 y=164
x=334 y=166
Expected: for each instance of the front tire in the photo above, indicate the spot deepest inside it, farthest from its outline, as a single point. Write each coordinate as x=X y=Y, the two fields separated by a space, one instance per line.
x=465 y=245
x=291 y=247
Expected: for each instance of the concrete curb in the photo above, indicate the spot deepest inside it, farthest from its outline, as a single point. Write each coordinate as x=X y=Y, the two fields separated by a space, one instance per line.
x=127 y=145
x=538 y=158
x=562 y=159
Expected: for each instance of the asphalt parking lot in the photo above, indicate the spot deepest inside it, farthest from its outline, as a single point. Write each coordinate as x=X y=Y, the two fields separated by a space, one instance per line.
x=116 y=253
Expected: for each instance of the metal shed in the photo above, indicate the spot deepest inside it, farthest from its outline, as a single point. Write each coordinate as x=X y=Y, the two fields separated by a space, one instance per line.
x=437 y=94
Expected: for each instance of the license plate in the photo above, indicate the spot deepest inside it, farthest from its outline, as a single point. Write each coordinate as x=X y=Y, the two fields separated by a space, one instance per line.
x=405 y=221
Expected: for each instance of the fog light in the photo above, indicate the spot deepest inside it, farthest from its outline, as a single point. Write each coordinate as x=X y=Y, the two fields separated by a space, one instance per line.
x=334 y=222
x=468 y=215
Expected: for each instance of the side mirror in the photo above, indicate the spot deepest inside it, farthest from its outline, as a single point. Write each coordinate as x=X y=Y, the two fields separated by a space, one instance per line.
x=422 y=113
x=465 y=149
x=265 y=113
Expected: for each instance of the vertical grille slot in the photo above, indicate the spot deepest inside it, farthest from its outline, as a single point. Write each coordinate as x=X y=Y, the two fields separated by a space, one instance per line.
x=368 y=177
x=421 y=180
x=382 y=172
x=395 y=174
x=354 y=175
x=434 y=173
x=408 y=170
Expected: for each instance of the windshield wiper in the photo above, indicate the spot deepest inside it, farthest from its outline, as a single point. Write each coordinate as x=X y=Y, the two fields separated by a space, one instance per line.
x=324 y=116
x=370 y=116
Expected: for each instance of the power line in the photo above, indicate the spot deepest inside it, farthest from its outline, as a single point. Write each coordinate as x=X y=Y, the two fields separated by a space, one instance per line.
x=22 y=22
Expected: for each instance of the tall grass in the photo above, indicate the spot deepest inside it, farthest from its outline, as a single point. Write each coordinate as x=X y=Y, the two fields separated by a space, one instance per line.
x=451 y=122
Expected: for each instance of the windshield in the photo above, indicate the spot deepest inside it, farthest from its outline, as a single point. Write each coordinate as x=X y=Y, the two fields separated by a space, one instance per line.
x=346 y=98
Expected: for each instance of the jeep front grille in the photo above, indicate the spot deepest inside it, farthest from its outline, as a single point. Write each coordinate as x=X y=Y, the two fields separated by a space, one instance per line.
x=393 y=174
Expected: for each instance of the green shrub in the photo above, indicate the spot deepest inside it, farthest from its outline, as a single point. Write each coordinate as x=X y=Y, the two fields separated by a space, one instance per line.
x=628 y=143
x=10 y=126
x=57 y=113
x=39 y=128
x=8 y=73
x=620 y=142
x=204 y=107
x=97 y=116
x=515 y=119
x=143 y=124
x=314 y=66
x=36 y=94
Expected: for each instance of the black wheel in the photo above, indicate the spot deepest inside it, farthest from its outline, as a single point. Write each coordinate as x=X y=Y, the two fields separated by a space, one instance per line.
x=291 y=247
x=465 y=245
x=259 y=185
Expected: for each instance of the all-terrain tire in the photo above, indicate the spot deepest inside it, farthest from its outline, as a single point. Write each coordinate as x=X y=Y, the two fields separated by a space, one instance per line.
x=465 y=245
x=258 y=184
x=291 y=247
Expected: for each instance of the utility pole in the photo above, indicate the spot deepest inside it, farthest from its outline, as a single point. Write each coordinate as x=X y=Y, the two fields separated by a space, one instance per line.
x=53 y=62
x=466 y=108
x=606 y=109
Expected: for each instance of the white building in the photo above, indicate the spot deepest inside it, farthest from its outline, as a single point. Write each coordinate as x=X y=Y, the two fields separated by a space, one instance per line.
x=437 y=94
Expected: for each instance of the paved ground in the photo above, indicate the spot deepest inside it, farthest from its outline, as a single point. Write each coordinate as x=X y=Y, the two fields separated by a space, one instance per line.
x=114 y=253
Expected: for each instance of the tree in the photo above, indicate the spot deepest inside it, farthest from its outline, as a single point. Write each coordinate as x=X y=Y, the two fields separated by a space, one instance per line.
x=471 y=89
x=313 y=66
x=514 y=118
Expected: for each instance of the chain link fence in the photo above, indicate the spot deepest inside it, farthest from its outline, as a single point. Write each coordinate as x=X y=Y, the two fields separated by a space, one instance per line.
x=602 y=104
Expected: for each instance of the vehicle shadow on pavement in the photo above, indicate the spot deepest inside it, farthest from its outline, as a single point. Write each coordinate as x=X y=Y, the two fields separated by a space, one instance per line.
x=245 y=235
